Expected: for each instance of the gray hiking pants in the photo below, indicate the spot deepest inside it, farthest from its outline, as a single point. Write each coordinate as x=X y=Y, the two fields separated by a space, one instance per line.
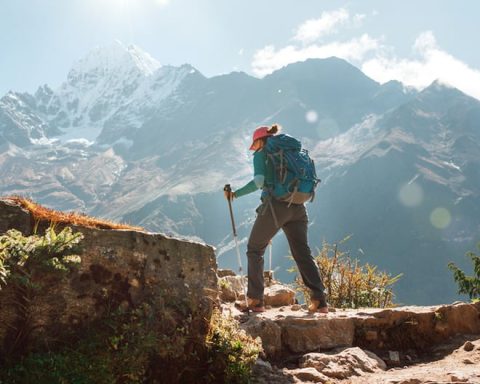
x=294 y=222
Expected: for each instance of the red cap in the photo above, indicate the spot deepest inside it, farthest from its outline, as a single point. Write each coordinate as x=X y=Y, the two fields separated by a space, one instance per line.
x=259 y=133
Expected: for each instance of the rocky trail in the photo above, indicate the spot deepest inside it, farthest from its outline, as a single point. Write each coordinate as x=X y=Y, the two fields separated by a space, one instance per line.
x=448 y=363
x=402 y=345
x=455 y=361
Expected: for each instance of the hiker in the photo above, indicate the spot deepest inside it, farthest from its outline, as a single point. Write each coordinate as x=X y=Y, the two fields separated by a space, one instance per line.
x=272 y=215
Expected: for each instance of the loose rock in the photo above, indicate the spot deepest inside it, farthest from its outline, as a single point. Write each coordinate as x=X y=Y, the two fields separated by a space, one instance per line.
x=349 y=362
x=468 y=346
x=308 y=375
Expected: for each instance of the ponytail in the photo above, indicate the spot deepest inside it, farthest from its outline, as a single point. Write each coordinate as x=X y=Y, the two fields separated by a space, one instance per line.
x=275 y=128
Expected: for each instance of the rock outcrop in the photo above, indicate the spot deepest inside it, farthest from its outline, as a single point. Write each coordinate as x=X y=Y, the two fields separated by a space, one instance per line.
x=119 y=269
x=286 y=331
x=368 y=346
x=357 y=345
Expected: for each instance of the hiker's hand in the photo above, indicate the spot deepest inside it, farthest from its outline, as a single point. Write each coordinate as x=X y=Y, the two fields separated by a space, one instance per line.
x=229 y=195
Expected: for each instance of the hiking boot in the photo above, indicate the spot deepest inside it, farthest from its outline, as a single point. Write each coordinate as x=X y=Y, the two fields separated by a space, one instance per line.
x=254 y=305
x=317 y=305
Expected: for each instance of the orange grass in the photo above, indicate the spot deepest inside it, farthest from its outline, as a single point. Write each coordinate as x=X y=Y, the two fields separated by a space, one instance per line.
x=71 y=218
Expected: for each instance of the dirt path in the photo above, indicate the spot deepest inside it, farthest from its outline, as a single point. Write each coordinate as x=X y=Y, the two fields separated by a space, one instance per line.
x=458 y=362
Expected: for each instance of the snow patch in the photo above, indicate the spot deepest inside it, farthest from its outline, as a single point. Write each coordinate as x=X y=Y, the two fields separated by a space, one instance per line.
x=230 y=246
x=345 y=148
x=43 y=141
x=82 y=142
x=452 y=165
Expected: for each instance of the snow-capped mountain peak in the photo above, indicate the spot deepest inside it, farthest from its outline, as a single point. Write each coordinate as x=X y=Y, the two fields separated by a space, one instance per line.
x=143 y=60
x=111 y=86
x=115 y=58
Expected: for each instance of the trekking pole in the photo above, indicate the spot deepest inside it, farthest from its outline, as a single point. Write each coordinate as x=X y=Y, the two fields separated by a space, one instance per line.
x=270 y=258
x=228 y=189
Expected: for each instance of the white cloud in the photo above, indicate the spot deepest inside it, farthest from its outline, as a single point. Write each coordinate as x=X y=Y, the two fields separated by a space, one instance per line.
x=425 y=42
x=358 y=20
x=328 y=23
x=269 y=59
x=432 y=63
x=429 y=62
x=305 y=44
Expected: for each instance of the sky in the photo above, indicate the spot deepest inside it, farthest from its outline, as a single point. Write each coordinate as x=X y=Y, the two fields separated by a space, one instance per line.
x=413 y=41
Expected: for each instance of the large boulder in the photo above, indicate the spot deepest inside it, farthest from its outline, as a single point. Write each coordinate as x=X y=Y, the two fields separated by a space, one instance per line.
x=344 y=363
x=119 y=269
x=278 y=295
x=269 y=332
x=300 y=334
x=232 y=288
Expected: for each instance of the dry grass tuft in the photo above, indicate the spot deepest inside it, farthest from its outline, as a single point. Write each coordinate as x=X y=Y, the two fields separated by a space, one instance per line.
x=348 y=283
x=69 y=218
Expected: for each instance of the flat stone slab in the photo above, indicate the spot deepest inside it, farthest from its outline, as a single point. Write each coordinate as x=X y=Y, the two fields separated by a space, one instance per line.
x=286 y=330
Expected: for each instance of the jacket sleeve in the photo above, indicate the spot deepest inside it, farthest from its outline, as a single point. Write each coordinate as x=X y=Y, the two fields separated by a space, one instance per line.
x=258 y=175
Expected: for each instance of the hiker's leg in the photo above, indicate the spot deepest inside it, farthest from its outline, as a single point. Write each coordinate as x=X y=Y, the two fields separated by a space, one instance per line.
x=296 y=232
x=262 y=232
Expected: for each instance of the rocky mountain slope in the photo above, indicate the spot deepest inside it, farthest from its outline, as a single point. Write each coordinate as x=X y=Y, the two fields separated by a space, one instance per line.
x=129 y=139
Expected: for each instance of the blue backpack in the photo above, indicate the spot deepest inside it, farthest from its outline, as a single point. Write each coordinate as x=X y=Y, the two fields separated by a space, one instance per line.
x=294 y=176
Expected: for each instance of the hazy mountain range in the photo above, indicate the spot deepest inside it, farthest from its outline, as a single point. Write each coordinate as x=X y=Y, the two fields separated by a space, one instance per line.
x=129 y=139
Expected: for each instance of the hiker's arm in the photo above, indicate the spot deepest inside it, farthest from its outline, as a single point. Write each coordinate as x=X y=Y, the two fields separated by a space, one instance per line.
x=258 y=178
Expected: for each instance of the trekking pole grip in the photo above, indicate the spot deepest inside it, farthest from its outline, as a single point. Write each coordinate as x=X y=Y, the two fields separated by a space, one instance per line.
x=228 y=188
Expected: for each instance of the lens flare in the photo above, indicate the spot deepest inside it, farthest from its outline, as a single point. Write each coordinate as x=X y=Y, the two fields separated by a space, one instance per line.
x=311 y=116
x=411 y=195
x=440 y=218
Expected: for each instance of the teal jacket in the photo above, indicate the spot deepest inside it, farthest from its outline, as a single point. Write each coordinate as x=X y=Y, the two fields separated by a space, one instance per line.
x=262 y=175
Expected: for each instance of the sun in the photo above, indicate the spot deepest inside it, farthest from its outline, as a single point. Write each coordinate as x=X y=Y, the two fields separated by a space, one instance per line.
x=123 y=6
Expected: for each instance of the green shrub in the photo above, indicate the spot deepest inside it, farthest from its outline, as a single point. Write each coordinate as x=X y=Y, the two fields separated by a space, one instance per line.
x=231 y=353
x=468 y=285
x=22 y=258
x=349 y=284
x=21 y=255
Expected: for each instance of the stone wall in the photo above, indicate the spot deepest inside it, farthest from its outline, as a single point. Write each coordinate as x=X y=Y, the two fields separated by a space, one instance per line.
x=119 y=269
